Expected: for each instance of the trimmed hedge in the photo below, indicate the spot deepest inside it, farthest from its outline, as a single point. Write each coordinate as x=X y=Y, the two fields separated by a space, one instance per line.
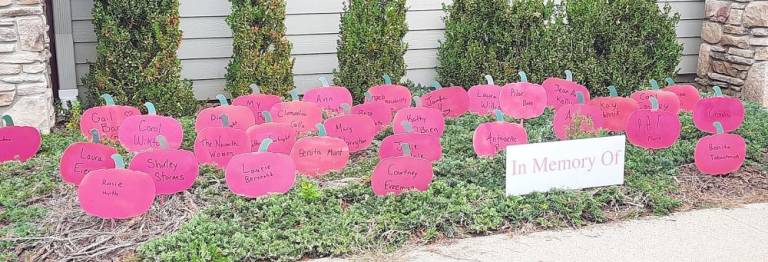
x=136 y=46
x=262 y=52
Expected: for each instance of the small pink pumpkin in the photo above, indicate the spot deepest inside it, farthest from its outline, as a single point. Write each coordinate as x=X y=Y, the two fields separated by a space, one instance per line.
x=422 y=146
x=483 y=99
x=668 y=101
x=116 y=193
x=356 y=130
x=394 y=96
x=217 y=145
x=565 y=115
x=562 y=92
x=687 y=94
x=491 y=138
x=720 y=153
x=240 y=117
x=172 y=170
x=451 y=101
x=18 y=142
x=330 y=98
x=257 y=102
x=282 y=135
x=138 y=133
x=378 y=111
x=729 y=111
x=316 y=156
x=106 y=119
x=523 y=100
x=397 y=174
x=424 y=120
x=653 y=128
x=81 y=158
x=261 y=173
x=302 y=116
x=616 y=110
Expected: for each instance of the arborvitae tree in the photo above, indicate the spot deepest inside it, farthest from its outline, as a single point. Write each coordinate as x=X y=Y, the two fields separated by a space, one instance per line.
x=371 y=44
x=262 y=53
x=136 y=63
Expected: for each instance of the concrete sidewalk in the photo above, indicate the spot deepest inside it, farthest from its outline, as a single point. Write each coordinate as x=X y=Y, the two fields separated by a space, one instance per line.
x=739 y=234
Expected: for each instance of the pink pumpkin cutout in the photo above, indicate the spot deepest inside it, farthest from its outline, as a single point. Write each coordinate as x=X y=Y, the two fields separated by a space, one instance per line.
x=567 y=113
x=356 y=130
x=261 y=173
x=330 y=98
x=394 y=96
x=668 y=101
x=18 y=142
x=81 y=158
x=729 y=111
x=316 y=156
x=172 y=170
x=257 y=102
x=721 y=153
x=106 y=119
x=562 y=92
x=398 y=174
x=378 y=111
x=422 y=146
x=484 y=99
x=687 y=94
x=282 y=135
x=138 y=133
x=116 y=193
x=523 y=100
x=424 y=120
x=491 y=138
x=217 y=145
x=240 y=117
x=451 y=101
x=653 y=128
x=616 y=110
x=302 y=116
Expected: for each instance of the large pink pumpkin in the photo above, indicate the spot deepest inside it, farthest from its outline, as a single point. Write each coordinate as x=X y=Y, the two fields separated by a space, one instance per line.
x=315 y=156
x=483 y=99
x=491 y=138
x=81 y=158
x=116 y=193
x=282 y=135
x=687 y=94
x=423 y=120
x=422 y=146
x=720 y=153
x=240 y=117
x=302 y=116
x=356 y=130
x=565 y=116
x=523 y=100
x=172 y=170
x=138 y=133
x=106 y=119
x=562 y=92
x=378 y=111
x=330 y=98
x=668 y=101
x=18 y=142
x=616 y=110
x=653 y=128
x=217 y=145
x=729 y=111
x=451 y=101
x=257 y=102
x=394 y=96
x=260 y=174
x=397 y=174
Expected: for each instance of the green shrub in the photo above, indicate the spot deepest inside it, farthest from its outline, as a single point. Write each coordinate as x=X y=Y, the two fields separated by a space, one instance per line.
x=136 y=46
x=261 y=51
x=371 y=44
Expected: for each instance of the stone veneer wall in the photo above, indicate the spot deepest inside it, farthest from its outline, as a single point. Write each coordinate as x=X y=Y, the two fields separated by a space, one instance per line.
x=25 y=90
x=734 y=52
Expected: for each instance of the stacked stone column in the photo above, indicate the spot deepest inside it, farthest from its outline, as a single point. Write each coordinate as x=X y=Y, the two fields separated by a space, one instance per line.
x=25 y=91
x=734 y=52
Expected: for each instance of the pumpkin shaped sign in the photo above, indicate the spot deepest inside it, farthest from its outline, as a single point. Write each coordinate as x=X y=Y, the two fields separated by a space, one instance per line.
x=451 y=101
x=491 y=138
x=523 y=100
x=588 y=117
x=422 y=145
x=397 y=174
x=81 y=158
x=172 y=170
x=729 y=111
x=18 y=142
x=260 y=174
x=721 y=153
x=668 y=101
x=257 y=102
x=653 y=128
x=687 y=94
x=281 y=135
x=356 y=130
x=394 y=96
x=240 y=117
x=562 y=92
x=378 y=111
x=117 y=193
x=483 y=99
x=330 y=98
x=105 y=119
x=424 y=120
x=217 y=145
x=616 y=110
x=138 y=133
x=302 y=116
x=315 y=156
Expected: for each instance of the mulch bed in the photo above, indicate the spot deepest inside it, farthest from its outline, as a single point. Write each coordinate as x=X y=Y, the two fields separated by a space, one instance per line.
x=697 y=190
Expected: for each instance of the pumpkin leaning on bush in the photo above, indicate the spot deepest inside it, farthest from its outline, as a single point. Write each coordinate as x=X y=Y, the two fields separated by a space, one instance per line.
x=422 y=145
x=562 y=92
x=397 y=174
x=452 y=101
x=302 y=116
x=282 y=135
x=257 y=102
x=240 y=117
x=329 y=98
x=491 y=138
x=523 y=100
x=616 y=110
x=356 y=130
x=394 y=96
x=18 y=142
x=720 y=153
x=483 y=99
x=217 y=145
x=590 y=118
x=117 y=193
x=318 y=155
x=667 y=101
x=424 y=120
x=653 y=128
x=83 y=157
x=106 y=119
x=138 y=133
x=173 y=170
x=261 y=173
x=729 y=111
x=687 y=94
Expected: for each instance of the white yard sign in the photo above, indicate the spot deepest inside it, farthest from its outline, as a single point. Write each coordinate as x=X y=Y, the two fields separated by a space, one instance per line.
x=572 y=164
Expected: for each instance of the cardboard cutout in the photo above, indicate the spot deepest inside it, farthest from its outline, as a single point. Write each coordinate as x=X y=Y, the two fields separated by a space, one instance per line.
x=138 y=133
x=378 y=111
x=116 y=193
x=302 y=116
x=356 y=130
x=728 y=111
x=172 y=170
x=18 y=142
x=616 y=110
x=451 y=101
x=330 y=98
x=668 y=101
x=81 y=158
x=260 y=174
x=483 y=99
x=424 y=120
x=562 y=92
x=240 y=117
x=687 y=94
x=315 y=156
x=721 y=153
x=282 y=135
x=523 y=100
x=589 y=116
x=257 y=102
x=398 y=174
x=491 y=138
x=217 y=145
x=395 y=97
x=422 y=146
x=106 y=119
x=653 y=128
